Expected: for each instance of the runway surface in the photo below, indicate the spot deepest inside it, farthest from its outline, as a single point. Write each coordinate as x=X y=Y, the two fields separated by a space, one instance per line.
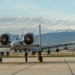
x=50 y=66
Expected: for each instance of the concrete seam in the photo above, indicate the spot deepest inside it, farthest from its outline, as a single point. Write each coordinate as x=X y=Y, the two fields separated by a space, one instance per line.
x=24 y=69
x=69 y=67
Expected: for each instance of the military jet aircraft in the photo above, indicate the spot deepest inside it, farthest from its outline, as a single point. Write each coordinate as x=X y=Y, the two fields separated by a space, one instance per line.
x=25 y=43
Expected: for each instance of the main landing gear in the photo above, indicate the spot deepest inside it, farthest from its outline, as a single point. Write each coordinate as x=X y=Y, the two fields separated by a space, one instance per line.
x=40 y=57
x=1 y=56
x=26 y=56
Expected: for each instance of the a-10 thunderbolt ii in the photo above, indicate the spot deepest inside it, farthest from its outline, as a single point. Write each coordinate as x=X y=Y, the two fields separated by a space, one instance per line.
x=26 y=42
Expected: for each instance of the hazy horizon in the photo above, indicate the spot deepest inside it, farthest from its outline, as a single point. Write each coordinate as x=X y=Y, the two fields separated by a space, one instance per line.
x=52 y=15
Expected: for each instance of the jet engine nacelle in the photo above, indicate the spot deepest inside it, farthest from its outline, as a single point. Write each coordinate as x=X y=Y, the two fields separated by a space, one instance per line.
x=5 y=39
x=29 y=38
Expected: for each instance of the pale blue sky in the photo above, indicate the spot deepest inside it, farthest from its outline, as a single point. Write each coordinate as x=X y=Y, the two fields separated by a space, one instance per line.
x=52 y=15
x=57 y=9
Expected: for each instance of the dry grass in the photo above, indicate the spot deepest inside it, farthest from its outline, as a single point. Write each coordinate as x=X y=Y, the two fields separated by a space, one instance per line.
x=64 y=53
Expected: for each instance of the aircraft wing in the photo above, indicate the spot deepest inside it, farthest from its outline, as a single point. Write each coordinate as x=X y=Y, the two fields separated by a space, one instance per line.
x=19 y=46
x=27 y=46
x=36 y=46
x=56 y=45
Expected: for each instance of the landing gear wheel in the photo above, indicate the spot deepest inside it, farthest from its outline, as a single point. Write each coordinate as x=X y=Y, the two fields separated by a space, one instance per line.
x=40 y=59
x=0 y=60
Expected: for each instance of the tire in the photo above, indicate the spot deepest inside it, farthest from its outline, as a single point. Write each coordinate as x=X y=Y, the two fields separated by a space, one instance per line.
x=40 y=59
x=0 y=59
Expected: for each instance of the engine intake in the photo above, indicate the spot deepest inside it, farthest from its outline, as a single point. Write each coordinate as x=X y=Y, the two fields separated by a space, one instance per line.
x=4 y=39
x=29 y=38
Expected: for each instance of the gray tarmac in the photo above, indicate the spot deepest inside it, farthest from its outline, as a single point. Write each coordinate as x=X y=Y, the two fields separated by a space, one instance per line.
x=49 y=66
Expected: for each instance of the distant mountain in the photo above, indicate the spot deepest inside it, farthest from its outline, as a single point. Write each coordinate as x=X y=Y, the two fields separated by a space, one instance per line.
x=57 y=37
